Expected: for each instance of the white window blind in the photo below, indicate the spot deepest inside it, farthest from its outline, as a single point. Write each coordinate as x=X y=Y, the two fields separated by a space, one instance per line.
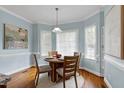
x=46 y=43
x=67 y=42
x=90 y=42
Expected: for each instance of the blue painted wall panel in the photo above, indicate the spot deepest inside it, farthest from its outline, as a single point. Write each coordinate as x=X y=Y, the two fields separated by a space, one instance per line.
x=18 y=59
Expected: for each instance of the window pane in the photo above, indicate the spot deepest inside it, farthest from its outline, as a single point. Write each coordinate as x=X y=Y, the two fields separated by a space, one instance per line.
x=90 y=42
x=67 y=42
x=46 y=44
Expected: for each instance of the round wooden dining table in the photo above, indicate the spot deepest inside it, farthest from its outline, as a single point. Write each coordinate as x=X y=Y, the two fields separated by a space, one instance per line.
x=54 y=63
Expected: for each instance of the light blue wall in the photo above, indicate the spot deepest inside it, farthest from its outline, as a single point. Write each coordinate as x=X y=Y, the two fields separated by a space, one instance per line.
x=114 y=67
x=35 y=38
x=14 y=60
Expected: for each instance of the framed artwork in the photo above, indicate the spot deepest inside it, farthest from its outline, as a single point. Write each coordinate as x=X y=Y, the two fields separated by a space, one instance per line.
x=15 y=37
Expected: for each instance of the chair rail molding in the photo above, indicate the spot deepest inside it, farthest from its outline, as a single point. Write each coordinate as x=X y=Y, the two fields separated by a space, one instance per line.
x=15 y=54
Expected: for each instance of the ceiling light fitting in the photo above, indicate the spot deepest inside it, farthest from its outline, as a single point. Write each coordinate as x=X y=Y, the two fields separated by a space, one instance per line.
x=56 y=28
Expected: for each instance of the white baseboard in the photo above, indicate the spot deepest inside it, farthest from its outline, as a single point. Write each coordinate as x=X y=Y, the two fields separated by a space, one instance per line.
x=93 y=72
x=107 y=83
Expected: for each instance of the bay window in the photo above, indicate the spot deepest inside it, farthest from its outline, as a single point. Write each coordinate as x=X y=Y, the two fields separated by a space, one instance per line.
x=67 y=42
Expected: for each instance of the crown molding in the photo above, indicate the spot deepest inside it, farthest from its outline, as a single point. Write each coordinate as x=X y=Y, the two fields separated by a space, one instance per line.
x=50 y=24
x=90 y=15
x=14 y=14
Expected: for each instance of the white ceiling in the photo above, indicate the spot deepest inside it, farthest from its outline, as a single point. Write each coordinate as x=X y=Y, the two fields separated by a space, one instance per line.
x=46 y=13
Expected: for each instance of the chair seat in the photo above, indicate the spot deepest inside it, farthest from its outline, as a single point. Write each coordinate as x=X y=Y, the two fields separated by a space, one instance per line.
x=44 y=68
x=60 y=72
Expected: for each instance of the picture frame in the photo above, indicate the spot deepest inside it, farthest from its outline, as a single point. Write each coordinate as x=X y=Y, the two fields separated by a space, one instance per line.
x=15 y=37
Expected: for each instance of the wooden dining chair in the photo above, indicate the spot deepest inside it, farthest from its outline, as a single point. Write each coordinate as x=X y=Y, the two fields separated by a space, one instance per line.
x=40 y=69
x=78 y=61
x=69 y=69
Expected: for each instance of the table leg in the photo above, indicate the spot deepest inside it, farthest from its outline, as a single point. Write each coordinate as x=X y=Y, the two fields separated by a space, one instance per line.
x=54 y=66
x=53 y=74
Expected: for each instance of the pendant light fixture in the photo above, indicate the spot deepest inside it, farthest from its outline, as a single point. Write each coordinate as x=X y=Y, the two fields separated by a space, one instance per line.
x=56 y=29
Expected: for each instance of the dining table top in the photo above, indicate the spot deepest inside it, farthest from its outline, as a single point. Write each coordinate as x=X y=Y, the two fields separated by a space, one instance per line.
x=54 y=60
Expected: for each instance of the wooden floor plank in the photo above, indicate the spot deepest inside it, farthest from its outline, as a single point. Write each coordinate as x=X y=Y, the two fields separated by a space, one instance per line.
x=25 y=79
x=92 y=81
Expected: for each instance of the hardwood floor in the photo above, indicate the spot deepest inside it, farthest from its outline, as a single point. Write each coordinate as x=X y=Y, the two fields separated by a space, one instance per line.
x=92 y=81
x=25 y=79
